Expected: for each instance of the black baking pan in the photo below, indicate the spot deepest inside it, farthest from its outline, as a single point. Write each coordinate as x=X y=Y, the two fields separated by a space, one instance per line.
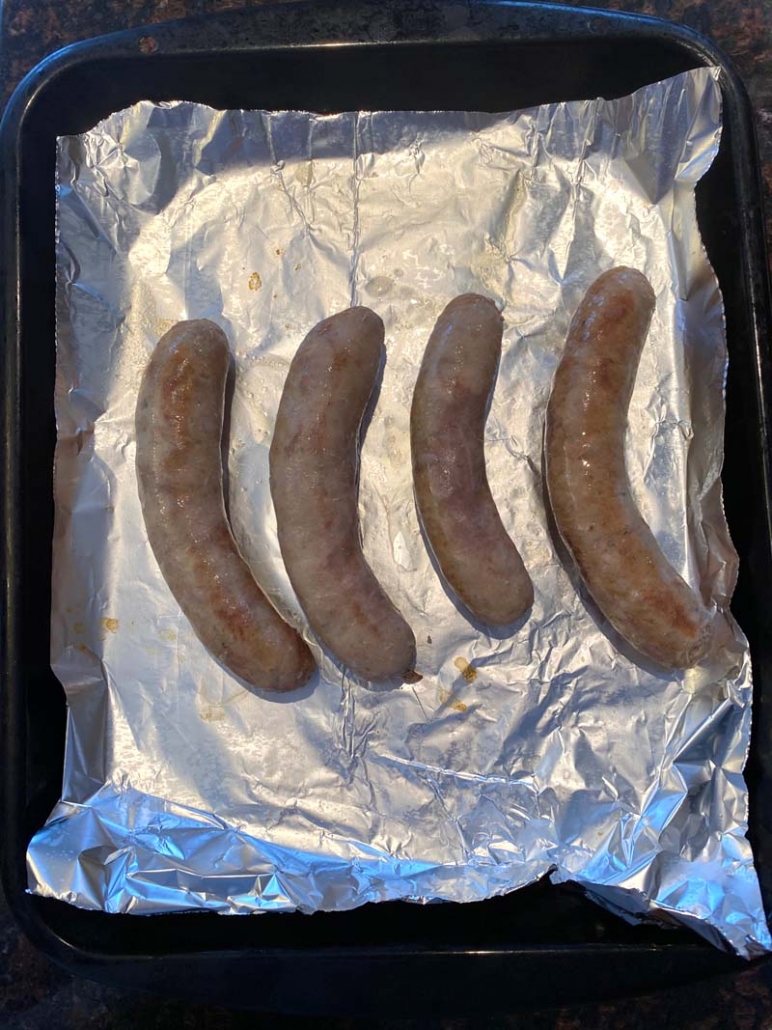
x=539 y=946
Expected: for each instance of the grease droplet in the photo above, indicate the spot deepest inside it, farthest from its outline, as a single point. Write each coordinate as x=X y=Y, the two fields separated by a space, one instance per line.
x=212 y=714
x=379 y=286
x=449 y=699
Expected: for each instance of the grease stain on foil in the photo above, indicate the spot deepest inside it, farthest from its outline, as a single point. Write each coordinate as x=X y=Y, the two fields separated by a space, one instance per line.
x=466 y=669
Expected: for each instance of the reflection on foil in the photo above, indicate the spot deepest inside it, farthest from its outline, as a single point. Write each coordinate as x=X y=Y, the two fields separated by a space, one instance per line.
x=550 y=750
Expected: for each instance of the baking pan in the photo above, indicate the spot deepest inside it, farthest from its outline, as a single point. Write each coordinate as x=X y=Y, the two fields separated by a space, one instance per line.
x=539 y=946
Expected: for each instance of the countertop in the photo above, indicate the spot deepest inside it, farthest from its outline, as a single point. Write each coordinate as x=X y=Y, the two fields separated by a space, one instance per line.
x=36 y=994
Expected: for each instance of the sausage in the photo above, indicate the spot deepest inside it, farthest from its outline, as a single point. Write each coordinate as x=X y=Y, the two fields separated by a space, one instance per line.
x=625 y=571
x=179 y=422
x=454 y=501
x=314 y=462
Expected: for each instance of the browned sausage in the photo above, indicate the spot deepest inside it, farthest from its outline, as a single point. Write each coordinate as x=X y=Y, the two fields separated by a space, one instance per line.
x=179 y=423
x=314 y=462
x=630 y=579
x=447 y=430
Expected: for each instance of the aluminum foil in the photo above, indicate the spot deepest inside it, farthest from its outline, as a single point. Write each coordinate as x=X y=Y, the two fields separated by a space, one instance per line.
x=550 y=751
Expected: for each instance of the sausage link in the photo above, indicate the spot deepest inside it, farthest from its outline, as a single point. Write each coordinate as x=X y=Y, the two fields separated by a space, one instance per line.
x=630 y=579
x=314 y=464
x=179 y=422
x=447 y=429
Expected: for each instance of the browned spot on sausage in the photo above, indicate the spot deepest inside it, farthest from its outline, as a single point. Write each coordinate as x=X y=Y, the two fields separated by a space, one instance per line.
x=460 y=392
x=467 y=671
x=347 y=551
x=358 y=613
x=606 y=375
x=618 y=307
x=294 y=442
x=339 y=361
x=661 y=600
x=228 y=606
x=254 y=282
x=238 y=618
x=221 y=538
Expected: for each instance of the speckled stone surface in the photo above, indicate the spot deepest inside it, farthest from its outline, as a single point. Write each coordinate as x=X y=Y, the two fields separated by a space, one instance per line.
x=36 y=994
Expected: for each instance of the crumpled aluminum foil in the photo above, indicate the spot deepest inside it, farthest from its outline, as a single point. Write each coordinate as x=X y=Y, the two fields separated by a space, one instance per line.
x=548 y=751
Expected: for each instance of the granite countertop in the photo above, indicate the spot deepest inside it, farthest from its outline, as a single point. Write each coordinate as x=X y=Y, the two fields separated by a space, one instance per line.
x=36 y=994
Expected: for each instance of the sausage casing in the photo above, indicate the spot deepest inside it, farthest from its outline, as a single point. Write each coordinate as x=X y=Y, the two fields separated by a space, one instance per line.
x=179 y=423
x=625 y=571
x=314 y=462
x=453 y=497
